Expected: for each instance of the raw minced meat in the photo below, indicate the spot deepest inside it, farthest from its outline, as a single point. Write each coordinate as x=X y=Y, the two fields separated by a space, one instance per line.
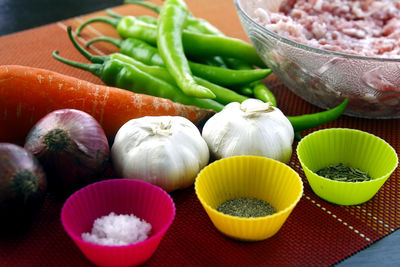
x=364 y=27
x=117 y=230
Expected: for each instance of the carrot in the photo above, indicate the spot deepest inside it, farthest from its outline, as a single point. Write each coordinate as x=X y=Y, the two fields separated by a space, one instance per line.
x=27 y=94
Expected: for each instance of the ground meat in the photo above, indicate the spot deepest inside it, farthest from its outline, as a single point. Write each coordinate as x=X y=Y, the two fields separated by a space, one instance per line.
x=359 y=27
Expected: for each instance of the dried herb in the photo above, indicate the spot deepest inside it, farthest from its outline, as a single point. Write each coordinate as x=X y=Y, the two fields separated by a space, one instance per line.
x=246 y=207
x=340 y=172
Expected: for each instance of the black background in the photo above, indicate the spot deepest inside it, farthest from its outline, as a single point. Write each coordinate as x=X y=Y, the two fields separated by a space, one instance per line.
x=18 y=15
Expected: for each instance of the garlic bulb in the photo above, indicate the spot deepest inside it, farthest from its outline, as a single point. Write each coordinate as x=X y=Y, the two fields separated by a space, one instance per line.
x=167 y=151
x=250 y=128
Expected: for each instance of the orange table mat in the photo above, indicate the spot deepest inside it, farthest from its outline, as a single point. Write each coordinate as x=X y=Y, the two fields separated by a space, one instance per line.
x=316 y=233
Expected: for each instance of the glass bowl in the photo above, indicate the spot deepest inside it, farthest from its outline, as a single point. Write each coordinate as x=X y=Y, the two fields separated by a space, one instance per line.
x=324 y=78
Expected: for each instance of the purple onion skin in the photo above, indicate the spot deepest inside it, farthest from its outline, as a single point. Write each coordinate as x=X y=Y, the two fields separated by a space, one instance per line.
x=75 y=156
x=23 y=187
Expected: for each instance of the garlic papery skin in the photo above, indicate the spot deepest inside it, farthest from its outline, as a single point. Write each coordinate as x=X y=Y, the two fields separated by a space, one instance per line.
x=167 y=151
x=250 y=128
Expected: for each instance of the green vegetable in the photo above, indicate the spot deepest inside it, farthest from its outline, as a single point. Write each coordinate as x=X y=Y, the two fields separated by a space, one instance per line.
x=259 y=89
x=202 y=26
x=120 y=74
x=192 y=23
x=115 y=20
x=147 y=19
x=307 y=121
x=261 y=92
x=223 y=95
x=169 y=43
x=194 y=44
x=245 y=90
x=111 y=70
x=149 y=55
x=114 y=72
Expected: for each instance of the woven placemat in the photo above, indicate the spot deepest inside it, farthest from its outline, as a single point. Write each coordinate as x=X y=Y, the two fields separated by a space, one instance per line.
x=316 y=233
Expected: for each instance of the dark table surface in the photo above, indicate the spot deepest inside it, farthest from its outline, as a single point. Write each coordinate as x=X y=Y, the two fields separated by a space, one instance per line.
x=18 y=15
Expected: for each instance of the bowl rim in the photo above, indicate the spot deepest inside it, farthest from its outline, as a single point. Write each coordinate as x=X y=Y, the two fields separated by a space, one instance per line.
x=154 y=237
x=241 y=11
x=327 y=180
x=248 y=219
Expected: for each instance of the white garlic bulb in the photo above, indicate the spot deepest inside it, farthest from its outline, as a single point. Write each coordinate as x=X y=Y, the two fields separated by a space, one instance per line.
x=250 y=128
x=167 y=151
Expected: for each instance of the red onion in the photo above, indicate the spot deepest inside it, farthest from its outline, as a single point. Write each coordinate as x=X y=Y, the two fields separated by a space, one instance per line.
x=71 y=146
x=23 y=186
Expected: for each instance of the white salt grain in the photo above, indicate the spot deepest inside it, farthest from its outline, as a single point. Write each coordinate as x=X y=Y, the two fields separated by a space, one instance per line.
x=117 y=230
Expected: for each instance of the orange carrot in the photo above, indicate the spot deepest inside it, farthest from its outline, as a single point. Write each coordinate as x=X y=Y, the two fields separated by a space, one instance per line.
x=27 y=94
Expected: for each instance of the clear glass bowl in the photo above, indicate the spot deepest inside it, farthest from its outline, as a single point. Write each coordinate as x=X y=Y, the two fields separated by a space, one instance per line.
x=324 y=78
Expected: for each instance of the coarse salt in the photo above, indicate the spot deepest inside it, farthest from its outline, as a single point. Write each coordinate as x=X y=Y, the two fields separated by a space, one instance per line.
x=118 y=230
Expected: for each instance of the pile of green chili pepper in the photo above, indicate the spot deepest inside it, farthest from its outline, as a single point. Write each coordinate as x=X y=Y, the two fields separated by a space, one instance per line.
x=185 y=59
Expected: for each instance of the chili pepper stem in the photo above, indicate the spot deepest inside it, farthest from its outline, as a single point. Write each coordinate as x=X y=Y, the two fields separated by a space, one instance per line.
x=201 y=25
x=114 y=41
x=113 y=14
x=86 y=54
x=95 y=69
x=150 y=6
x=112 y=21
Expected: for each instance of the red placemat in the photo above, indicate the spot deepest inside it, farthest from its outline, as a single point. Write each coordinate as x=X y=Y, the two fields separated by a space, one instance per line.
x=316 y=233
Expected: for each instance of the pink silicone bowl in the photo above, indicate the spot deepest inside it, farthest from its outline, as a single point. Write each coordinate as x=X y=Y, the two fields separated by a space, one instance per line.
x=122 y=196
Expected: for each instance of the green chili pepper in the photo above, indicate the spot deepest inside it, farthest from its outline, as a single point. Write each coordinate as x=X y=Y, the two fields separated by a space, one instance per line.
x=117 y=73
x=134 y=48
x=192 y=23
x=114 y=21
x=228 y=77
x=149 y=55
x=195 y=44
x=245 y=90
x=114 y=72
x=122 y=75
x=211 y=61
x=297 y=135
x=308 y=121
x=259 y=89
x=169 y=43
x=223 y=95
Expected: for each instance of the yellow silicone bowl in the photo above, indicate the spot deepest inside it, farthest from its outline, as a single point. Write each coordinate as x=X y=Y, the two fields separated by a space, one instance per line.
x=248 y=177
x=351 y=147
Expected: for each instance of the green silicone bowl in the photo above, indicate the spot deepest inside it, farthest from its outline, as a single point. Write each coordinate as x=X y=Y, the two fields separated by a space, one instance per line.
x=355 y=148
